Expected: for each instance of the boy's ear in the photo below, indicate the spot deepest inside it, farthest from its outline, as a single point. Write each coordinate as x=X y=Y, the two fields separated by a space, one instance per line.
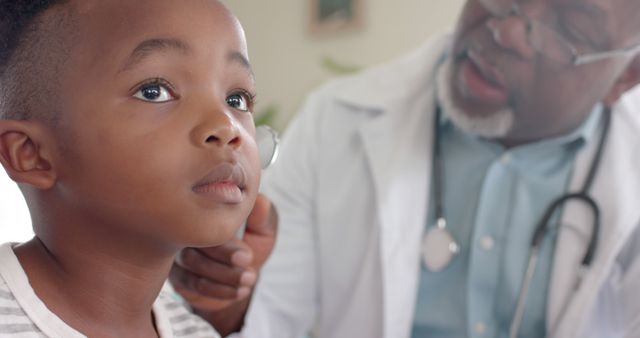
x=23 y=156
x=627 y=80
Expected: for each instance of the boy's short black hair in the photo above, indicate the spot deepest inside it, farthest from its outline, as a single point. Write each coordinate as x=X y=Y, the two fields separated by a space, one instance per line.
x=15 y=18
x=18 y=24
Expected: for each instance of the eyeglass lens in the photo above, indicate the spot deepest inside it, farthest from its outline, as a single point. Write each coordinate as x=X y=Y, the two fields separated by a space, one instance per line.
x=542 y=38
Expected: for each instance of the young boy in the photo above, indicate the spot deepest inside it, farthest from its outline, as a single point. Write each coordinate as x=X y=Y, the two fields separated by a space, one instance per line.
x=128 y=127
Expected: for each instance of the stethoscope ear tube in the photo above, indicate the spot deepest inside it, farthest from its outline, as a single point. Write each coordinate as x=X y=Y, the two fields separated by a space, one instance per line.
x=591 y=249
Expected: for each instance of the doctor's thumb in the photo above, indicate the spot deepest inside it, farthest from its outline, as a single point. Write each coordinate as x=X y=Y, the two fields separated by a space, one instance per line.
x=260 y=233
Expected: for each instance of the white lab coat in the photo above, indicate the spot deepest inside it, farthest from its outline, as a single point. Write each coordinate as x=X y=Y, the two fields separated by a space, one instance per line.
x=351 y=189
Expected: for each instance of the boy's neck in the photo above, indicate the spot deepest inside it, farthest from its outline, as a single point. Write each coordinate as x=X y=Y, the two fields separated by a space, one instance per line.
x=98 y=290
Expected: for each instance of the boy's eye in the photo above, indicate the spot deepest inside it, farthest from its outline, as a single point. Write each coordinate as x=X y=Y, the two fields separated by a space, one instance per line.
x=239 y=102
x=154 y=92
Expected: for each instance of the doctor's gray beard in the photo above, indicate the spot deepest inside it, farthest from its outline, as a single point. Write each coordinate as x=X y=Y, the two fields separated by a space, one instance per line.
x=495 y=125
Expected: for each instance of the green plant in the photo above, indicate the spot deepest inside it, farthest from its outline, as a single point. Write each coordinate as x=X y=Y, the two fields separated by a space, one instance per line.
x=266 y=116
x=338 y=68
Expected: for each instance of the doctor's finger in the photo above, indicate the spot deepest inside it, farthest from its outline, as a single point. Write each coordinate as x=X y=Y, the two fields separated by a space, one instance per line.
x=203 y=266
x=193 y=287
x=233 y=253
x=261 y=231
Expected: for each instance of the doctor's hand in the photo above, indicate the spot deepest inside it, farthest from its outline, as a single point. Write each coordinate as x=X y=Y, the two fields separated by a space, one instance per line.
x=217 y=281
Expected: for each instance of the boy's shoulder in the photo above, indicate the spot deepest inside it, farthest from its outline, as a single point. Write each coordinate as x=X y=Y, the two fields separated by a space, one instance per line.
x=173 y=315
x=14 y=322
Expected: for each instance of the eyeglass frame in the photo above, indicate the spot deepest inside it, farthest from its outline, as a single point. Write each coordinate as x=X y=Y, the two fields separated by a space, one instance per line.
x=576 y=58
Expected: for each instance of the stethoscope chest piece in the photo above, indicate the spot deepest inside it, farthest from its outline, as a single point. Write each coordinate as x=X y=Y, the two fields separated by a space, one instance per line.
x=438 y=247
x=268 y=145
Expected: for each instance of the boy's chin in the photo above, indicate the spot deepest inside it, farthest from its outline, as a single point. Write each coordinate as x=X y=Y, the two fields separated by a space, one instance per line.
x=215 y=234
x=206 y=241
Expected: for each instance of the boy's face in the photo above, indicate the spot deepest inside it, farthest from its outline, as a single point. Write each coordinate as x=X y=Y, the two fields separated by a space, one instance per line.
x=155 y=121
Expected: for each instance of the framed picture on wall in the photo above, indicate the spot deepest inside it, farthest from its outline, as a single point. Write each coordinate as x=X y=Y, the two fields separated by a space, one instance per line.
x=333 y=16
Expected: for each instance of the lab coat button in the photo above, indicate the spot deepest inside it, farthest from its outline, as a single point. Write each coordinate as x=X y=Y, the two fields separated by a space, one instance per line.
x=506 y=158
x=487 y=243
x=480 y=328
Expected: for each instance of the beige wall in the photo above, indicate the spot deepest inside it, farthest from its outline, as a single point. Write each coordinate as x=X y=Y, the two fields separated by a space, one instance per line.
x=287 y=59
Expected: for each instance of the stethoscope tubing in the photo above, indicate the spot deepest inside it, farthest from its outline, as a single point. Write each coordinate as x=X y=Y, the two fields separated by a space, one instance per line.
x=542 y=226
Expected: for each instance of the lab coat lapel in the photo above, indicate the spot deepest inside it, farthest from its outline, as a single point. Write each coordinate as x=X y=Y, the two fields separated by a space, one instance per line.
x=400 y=173
x=397 y=143
x=615 y=191
x=575 y=229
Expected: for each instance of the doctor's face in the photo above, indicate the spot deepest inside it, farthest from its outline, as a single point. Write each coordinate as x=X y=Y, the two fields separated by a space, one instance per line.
x=498 y=65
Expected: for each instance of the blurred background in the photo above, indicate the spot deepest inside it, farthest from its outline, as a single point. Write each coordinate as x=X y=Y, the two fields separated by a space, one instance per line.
x=294 y=46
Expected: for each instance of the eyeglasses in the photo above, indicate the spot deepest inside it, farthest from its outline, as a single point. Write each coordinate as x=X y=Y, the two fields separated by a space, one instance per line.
x=548 y=41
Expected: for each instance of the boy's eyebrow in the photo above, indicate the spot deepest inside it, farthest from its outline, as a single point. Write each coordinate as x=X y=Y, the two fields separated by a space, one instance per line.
x=147 y=47
x=242 y=60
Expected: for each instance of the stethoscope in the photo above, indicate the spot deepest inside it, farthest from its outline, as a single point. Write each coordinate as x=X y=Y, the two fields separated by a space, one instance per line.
x=439 y=247
x=268 y=145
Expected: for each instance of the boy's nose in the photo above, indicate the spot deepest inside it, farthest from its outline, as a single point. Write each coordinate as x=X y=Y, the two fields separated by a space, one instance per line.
x=218 y=129
x=511 y=33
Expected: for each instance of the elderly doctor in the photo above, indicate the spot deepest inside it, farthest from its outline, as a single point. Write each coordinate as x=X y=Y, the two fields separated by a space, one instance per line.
x=487 y=185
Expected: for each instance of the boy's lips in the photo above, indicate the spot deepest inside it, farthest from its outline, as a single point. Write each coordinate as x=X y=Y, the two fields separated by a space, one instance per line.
x=481 y=80
x=225 y=183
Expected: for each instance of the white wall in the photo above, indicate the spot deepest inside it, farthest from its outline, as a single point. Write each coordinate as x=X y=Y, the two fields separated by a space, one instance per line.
x=287 y=61
x=15 y=223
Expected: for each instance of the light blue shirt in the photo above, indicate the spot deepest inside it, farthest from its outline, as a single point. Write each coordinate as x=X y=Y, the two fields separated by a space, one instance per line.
x=493 y=198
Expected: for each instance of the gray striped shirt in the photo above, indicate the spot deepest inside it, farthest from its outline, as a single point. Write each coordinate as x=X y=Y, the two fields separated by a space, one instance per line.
x=24 y=315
